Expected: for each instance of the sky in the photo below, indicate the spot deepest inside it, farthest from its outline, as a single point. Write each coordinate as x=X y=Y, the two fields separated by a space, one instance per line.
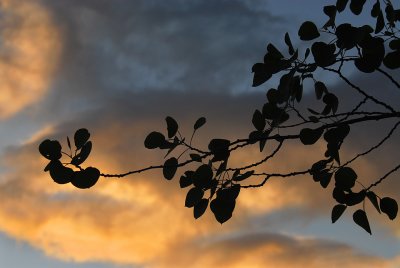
x=118 y=68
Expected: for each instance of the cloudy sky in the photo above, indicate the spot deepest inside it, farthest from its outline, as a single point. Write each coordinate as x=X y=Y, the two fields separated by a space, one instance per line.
x=118 y=68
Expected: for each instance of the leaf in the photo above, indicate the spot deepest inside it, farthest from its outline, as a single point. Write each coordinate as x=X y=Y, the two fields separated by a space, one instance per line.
x=221 y=168
x=261 y=74
x=356 y=6
x=186 y=179
x=195 y=157
x=83 y=154
x=320 y=89
x=154 y=140
x=69 y=143
x=374 y=200
x=323 y=53
x=337 y=211
x=360 y=218
x=392 y=60
x=200 y=208
x=172 y=126
x=332 y=101
x=310 y=136
x=170 y=167
x=51 y=149
x=380 y=23
x=193 y=197
x=222 y=209
x=244 y=176
x=376 y=9
x=288 y=42
x=312 y=111
x=258 y=120
x=219 y=148
x=59 y=173
x=345 y=178
x=389 y=207
x=86 y=178
x=308 y=31
x=341 y=5
x=203 y=176
x=199 y=123
x=81 y=137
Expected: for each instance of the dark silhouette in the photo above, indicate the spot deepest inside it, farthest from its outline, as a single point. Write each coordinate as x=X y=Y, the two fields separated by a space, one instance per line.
x=216 y=184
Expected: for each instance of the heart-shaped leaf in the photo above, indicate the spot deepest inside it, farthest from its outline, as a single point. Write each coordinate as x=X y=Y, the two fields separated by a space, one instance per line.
x=337 y=211
x=310 y=136
x=308 y=31
x=360 y=218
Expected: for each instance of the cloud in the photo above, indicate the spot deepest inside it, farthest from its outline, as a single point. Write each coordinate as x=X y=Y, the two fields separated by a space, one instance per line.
x=29 y=54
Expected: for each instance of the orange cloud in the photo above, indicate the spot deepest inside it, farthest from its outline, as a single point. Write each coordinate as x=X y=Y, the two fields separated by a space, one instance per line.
x=28 y=55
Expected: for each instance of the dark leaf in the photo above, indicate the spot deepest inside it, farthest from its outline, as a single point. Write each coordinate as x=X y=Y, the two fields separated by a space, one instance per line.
x=395 y=44
x=170 y=167
x=356 y=6
x=199 y=123
x=323 y=53
x=392 y=60
x=261 y=74
x=258 y=120
x=193 y=197
x=59 y=173
x=360 y=218
x=69 y=143
x=172 y=126
x=325 y=179
x=337 y=134
x=203 y=176
x=345 y=178
x=389 y=207
x=330 y=11
x=337 y=211
x=200 y=208
x=380 y=23
x=332 y=101
x=376 y=9
x=154 y=140
x=221 y=168
x=312 y=111
x=355 y=198
x=86 y=178
x=195 y=157
x=374 y=200
x=320 y=89
x=341 y=5
x=288 y=42
x=81 y=137
x=51 y=149
x=310 y=136
x=263 y=139
x=186 y=179
x=244 y=176
x=308 y=31
x=339 y=195
x=83 y=154
x=219 y=148
x=222 y=209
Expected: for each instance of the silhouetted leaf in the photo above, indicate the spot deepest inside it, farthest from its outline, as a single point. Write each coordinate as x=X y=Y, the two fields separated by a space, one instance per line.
x=170 y=167
x=374 y=200
x=395 y=44
x=203 y=176
x=172 y=126
x=355 y=198
x=261 y=74
x=345 y=178
x=339 y=195
x=263 y=139
x=83 y=154
x=59 y=173
x=219 y=148
x=320 y=89
x=310 y=136
x=244 y=176
x=288 y=42
x=380 y=23
x=221 y=168
x=199 y=123
x=258 y=120
x=68 y=143
x=323 y=53
x=360 y=218
x=86 y=178
x=341 y=5
x=81 y=137
x=186 y=179
x=356 y=6
x=308 y=31
x=224 y=204
x=193 y=197
x=389 y=207
x=331 y=101
x=337 y=211
x=195 y=157
x=51 y=149
x=200 y=208
x=392 y=60
x=330 y=11
x=312 y=111
x=154 y=140
x=337 y=134
x=325 y=178
x=376 y=9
